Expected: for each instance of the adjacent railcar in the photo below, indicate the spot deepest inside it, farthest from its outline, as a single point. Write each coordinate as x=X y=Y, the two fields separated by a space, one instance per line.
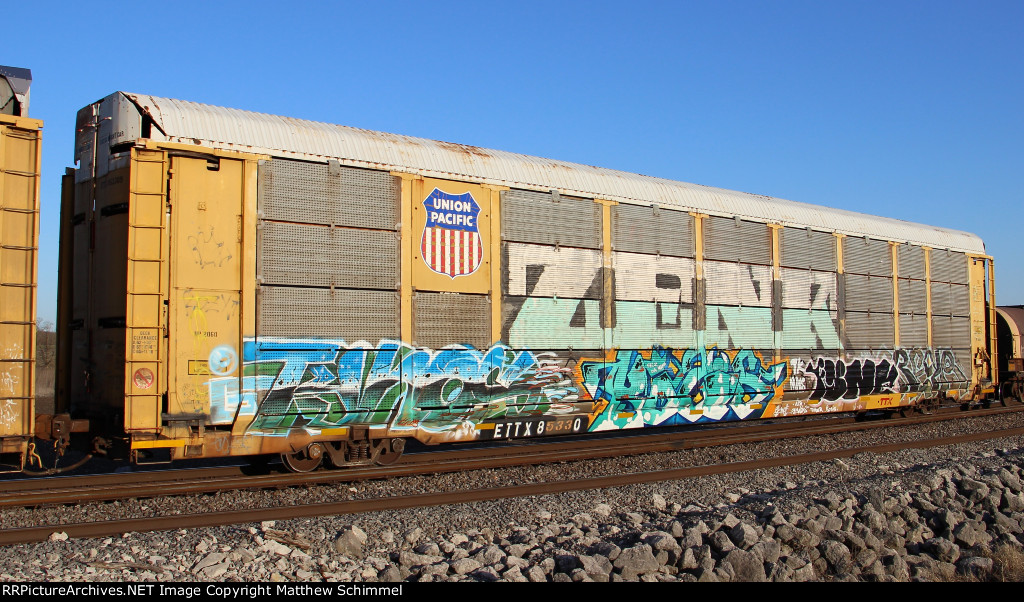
x=252 y=284
x=1010 y=366
x=20 y=139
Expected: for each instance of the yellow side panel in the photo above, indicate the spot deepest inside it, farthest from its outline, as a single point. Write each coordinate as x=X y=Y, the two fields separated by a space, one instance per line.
x=207 y=206
x=409 y=181
x=19 y=235
x=992 y=331
x=451 y=236
x=979 y=339
x=145 y=317
x=496 y=300
x=881 y=402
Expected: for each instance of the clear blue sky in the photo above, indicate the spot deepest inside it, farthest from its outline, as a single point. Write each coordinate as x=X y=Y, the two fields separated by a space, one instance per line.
x=911 y=110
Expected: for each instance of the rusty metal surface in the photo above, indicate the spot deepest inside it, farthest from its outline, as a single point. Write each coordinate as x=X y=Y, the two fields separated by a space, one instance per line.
x=210 y=519
x=65 y=490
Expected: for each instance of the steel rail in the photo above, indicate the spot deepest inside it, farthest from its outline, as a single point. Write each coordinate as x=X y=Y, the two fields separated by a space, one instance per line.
x=190 y=481
x=228 y=517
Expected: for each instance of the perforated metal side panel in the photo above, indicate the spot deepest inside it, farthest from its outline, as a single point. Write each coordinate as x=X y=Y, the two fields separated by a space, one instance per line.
x=442 y=319
x=809 y=330
x=866 y=331
x=952 y=332
x=960 y=299
x=911 y=261
x=807 y=249
x=947 y=266
x=913 y=330
x=543 y=271
x=537 y=217
x=808 y=289
x=307 y=255
x=962 y=357
x=738 y=284
x=352 y=315
x=950 y=299
x=868 y=293
x=641 y=277
x=643 y=325
x=317 y=193
x=652 y=230
x=941 y=301
x=555 y=323
x=913 y=296
x=737 y=240
x=867 y=256
x=739 y=327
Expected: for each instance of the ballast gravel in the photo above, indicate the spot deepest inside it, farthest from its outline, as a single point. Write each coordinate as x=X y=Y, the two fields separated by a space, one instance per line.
x=921 y=514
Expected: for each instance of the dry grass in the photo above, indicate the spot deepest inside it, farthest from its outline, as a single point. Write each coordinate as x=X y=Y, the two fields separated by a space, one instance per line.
x=46 y=355
x=1008 y=564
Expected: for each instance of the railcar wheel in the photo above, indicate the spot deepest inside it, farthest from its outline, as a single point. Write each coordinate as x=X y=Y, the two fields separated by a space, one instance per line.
x=304 y=460
x=387 y=451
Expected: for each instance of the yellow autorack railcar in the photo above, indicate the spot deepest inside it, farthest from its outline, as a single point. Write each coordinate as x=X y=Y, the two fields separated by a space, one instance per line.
x=20 y=139
x=253 y=284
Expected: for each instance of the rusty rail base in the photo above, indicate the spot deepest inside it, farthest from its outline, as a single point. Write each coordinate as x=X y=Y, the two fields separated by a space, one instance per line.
x=216 y=519
x=69 y=490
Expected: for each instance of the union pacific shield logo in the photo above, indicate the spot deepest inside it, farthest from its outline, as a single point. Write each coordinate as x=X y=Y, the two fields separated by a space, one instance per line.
x=451 y=243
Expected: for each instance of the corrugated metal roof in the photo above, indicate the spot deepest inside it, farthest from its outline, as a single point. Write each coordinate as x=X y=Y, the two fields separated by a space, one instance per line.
x=220 y=127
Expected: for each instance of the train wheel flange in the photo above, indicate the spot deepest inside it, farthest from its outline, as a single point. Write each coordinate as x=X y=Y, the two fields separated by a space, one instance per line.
x=304 y=460
x=387 y=451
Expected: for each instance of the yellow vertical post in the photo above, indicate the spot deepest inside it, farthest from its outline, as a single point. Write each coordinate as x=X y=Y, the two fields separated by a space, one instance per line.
x=839 y=252
x=776 y=276
x=980 y=343
x=928 y=290
x=250 y=192
x=698 y=244
x=405 y=244
x=841 y=282
x=248 y=238
x=776 y=252
x=700 y=294
x=608 y=284
x=496 y=299
x=993 y=338
x=895 y=294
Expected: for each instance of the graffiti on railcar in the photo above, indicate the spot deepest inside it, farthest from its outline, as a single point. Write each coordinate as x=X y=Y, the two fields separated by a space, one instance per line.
x=460 y=393
x=839 y=383
x=664 y=387
x=10 y=412
x=314 y=385
x=206 y=250
x=930 y=370
x=838 y=379
x=11 y=384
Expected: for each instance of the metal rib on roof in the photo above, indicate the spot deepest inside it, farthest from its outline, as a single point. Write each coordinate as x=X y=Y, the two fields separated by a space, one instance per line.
x=220 y=127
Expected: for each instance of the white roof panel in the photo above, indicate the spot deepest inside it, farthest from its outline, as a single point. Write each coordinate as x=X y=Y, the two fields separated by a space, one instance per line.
x=219 y=127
